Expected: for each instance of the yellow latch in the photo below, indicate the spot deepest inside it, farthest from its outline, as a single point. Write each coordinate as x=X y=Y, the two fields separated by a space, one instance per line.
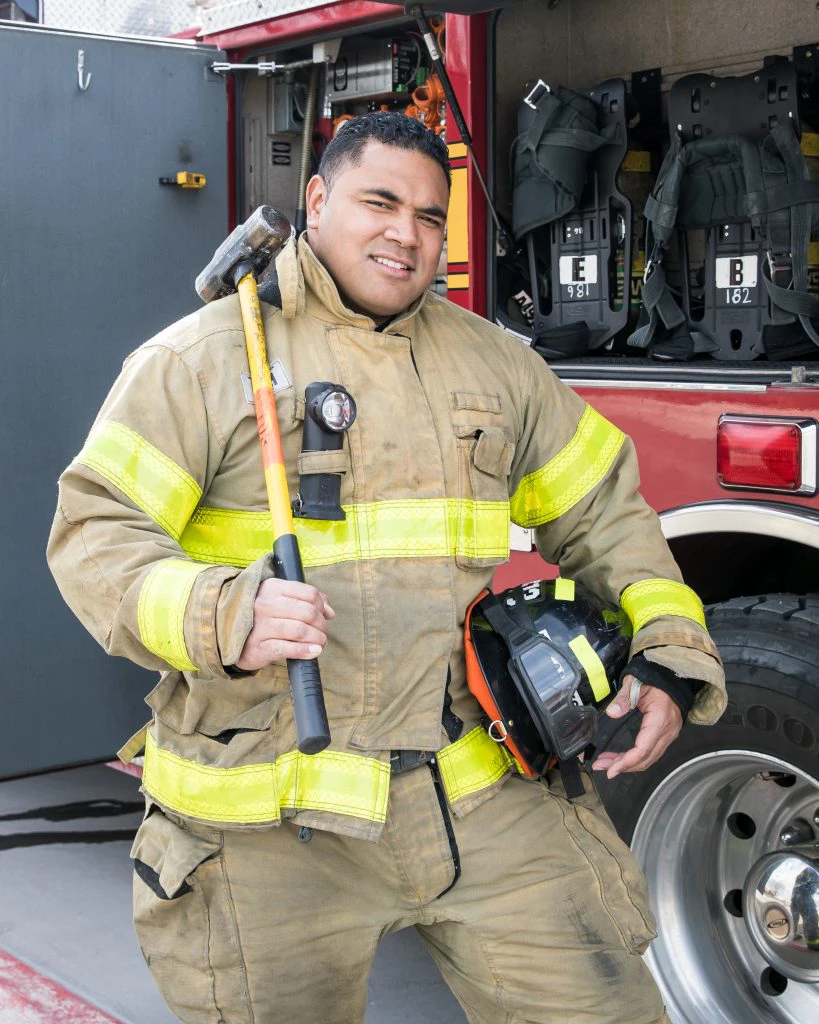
x=810 y=144
x=186 y=179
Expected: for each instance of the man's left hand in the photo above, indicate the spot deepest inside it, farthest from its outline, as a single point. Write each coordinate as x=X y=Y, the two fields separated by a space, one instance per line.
x=662 y=721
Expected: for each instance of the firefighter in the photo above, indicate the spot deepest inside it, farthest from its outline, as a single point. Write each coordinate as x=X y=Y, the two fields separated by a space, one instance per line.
x=264 y=878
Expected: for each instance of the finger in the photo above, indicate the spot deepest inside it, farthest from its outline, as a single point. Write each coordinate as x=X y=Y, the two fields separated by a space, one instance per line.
x=632 y=761
x=646 y=750
x=621 y=704
x=276 y=650
x=328 y=611
x=294 y=630
x=658 y=729
x=269 y=606
x=636 y=761
x=273 y=589
x=258 y=655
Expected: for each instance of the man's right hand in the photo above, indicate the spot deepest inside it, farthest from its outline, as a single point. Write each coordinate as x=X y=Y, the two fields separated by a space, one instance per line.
x=289 y=621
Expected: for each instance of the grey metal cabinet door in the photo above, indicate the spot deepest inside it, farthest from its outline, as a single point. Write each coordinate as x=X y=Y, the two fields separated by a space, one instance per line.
x=95 y=257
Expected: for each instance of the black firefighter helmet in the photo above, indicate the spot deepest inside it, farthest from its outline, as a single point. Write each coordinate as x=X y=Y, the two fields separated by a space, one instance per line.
x=542 y=659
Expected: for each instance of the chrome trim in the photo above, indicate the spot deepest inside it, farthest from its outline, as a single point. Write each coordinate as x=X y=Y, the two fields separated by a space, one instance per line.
x=659 y=385
x=807 y=469
x=809 y=458
x=786 y=522
x=681 y=371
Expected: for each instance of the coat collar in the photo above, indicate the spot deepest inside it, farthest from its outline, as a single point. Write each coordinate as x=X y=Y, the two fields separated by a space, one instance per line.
x=306 y=287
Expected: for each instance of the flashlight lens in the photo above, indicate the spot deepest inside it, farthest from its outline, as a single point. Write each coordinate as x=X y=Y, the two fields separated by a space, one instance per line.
x=338 y=410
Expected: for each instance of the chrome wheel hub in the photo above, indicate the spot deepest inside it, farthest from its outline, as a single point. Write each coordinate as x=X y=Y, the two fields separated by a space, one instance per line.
x=781 y=902
x=728 y=843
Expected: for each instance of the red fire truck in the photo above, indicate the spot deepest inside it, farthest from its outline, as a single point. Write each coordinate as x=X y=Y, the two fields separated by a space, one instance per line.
x=111 y=235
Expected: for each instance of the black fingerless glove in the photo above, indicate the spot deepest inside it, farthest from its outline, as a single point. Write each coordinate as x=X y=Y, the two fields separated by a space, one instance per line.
x=235 y=673
x=682 y=691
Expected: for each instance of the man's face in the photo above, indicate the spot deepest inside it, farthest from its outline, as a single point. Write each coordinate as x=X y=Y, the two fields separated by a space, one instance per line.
x=380 y=229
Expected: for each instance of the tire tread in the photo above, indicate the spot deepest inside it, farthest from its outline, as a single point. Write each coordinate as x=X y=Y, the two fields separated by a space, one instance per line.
x=767 y=609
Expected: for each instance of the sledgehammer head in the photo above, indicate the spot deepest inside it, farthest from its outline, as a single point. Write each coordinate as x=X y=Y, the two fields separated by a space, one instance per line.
x=256 y=241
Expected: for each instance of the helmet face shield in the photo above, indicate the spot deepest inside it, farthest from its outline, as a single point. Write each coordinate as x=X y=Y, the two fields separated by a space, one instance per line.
x=541 y=665
x=565 y=725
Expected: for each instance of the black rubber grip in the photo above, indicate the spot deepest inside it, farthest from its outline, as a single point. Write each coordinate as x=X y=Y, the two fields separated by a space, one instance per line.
x=287 y=558
x=312 y=727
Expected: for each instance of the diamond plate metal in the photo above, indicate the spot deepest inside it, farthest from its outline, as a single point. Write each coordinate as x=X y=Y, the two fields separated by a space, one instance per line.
x=121 y=17
x=218 y=15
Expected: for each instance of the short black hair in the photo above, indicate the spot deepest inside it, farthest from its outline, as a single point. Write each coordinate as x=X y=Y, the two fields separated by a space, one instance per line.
x=388 y=127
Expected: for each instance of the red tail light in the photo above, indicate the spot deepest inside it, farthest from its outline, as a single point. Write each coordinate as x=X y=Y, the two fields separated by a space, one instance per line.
x=767 y=454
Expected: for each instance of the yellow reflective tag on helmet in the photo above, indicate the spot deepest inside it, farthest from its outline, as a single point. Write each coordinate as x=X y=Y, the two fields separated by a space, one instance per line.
x=593 y=666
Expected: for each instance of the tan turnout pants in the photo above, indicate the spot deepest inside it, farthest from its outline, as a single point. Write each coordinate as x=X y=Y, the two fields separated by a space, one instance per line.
x=545 y=926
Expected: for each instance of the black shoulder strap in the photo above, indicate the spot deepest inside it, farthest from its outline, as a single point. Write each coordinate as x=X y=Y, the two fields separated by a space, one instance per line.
x=789 y=209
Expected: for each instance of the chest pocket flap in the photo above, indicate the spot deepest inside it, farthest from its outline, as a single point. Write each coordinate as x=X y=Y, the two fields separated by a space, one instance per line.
x=493 y=452
x=485 y=454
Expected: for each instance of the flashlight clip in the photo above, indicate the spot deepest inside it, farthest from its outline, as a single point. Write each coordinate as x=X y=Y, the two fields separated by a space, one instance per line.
x=329 y=412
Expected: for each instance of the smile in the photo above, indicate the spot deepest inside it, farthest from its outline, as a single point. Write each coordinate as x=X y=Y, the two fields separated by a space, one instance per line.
x=393 y=265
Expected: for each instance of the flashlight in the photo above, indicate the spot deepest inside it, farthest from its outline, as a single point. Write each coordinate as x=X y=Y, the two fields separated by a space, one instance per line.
x=329 y=412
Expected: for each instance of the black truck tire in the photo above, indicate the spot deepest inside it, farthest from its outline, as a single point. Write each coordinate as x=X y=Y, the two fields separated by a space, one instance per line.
x=719 y=800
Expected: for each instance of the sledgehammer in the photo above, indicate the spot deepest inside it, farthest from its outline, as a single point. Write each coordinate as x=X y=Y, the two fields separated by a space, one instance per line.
x=246 y=252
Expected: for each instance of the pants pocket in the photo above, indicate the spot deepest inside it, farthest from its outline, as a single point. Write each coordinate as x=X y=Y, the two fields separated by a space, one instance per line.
x=622 y=884
x=183 y=921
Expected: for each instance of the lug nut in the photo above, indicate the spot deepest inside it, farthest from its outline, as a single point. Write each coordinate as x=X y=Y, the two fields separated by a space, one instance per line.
x=799 y=831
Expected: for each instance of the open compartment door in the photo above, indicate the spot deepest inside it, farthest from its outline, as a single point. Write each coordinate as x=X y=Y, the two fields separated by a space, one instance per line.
x=96 y=257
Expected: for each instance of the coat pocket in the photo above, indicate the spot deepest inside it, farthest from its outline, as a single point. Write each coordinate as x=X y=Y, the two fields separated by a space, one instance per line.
x=215 y=706
x=484 y=462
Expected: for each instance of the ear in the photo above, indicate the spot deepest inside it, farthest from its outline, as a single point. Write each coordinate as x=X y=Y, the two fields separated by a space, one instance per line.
x=316 y=197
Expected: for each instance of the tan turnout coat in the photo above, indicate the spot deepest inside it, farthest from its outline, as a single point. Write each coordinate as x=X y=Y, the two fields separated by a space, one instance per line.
x=161 y=535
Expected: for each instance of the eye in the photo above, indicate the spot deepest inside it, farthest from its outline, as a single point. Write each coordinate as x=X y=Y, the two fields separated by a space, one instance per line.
x=377 y=202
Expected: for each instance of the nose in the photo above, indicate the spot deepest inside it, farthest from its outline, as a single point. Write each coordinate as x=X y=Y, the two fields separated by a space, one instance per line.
x=403 y=229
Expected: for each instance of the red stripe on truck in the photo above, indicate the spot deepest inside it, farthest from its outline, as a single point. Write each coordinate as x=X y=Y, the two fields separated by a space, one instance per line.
x=26 y=997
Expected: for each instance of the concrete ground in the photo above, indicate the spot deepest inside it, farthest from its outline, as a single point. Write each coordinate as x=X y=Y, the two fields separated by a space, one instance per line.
x=65 y=910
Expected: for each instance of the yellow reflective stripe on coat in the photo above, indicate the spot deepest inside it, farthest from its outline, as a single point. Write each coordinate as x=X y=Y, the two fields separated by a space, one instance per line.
x=593 y=666
x=163 y=599
x=329 y=781
x=649 y=599
x=332 y=781
x=573 y=473
x=149 y=478
x=472 y=763
x=421 y=528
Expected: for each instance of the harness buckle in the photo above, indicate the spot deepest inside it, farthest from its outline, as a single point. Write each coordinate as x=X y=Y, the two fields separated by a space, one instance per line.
x=779 y=263
x=536 y=94
x=649 y=269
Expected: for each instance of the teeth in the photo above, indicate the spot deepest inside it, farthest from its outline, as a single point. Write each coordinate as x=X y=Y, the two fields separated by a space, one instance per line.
x=390 y=263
